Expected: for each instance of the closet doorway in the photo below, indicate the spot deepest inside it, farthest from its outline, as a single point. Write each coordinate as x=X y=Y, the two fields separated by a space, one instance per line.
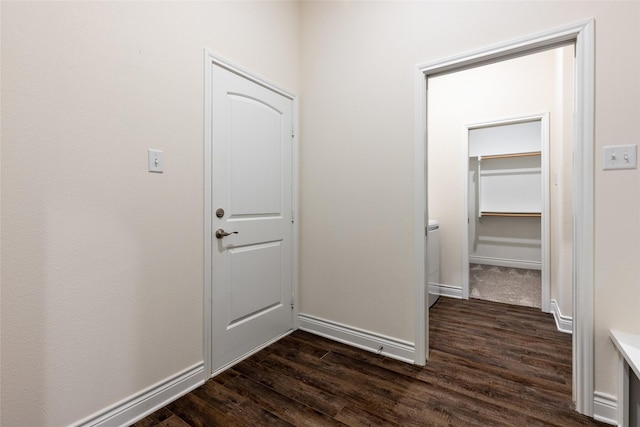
x=580 y=267
x=507 y=195
x=522 y=105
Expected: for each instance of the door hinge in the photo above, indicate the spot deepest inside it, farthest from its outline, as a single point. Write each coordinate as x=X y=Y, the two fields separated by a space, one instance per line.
x=293 y=132
x=292 y=303
x=293 y=216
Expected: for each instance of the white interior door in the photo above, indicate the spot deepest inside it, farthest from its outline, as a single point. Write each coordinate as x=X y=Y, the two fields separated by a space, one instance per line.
x=252 y=295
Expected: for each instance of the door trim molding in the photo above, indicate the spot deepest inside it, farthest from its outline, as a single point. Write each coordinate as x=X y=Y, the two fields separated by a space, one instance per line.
x=583 y=35
x=211 y=59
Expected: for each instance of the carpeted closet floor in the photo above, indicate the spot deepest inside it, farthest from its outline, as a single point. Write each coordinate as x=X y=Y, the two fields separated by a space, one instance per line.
x=516 y=286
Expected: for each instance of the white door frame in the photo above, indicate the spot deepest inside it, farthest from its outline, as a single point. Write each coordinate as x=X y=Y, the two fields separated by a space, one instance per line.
x=544 y=220
x=210 y=59
x=583 y=35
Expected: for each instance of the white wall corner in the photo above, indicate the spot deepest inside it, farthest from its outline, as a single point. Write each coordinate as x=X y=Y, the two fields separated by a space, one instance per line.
x=355 y=337
x=147 y=401
x=605 y=408
x=563 y=323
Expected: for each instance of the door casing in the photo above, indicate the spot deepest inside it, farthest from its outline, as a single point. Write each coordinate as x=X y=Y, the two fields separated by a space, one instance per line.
x=583 y=35
x=210 y=59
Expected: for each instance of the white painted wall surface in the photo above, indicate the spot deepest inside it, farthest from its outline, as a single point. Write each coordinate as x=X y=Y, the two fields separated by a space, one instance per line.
x=357 y=108
x=102 y=262
x=561 y=184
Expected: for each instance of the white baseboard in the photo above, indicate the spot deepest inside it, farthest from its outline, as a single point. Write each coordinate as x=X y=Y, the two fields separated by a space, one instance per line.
x=141 y=404
x=375 y=343
x=504 y=262
x=563 y=323
x=605 y=408
x=445 y=290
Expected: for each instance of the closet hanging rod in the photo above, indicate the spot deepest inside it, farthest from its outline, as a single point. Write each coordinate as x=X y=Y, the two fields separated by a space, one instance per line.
x=512 y=214
x=504 y=156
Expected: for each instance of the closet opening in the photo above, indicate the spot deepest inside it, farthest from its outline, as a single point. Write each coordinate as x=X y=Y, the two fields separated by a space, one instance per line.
x=507 y=194
x=500 y=180
x=581 y=37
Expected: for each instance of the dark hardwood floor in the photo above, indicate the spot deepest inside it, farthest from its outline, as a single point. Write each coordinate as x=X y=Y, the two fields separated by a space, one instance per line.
x=490 y=365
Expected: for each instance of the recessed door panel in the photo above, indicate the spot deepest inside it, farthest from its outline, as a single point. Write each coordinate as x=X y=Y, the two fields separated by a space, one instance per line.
x=255 y=149
x=256 y=281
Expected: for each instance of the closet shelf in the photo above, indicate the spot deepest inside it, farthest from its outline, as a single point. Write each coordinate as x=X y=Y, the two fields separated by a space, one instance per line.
x=505 y=156
x=513 y=214
x=510 y=186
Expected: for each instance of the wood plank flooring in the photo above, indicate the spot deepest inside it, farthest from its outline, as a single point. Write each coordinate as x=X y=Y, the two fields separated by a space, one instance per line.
x=490 y=364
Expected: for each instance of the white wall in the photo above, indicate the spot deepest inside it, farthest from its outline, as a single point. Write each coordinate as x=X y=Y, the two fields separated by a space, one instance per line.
x=357 y=151
x=561 y=184
x=102 y=262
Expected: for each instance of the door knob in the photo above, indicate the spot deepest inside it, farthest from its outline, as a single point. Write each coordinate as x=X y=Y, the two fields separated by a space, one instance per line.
x=220 y=233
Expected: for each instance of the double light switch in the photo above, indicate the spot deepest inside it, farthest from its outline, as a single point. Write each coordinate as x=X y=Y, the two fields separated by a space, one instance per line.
x=619 y=157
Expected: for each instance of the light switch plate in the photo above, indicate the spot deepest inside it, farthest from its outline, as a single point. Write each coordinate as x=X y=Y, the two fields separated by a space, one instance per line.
x=156 y=160
x=619 y=157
